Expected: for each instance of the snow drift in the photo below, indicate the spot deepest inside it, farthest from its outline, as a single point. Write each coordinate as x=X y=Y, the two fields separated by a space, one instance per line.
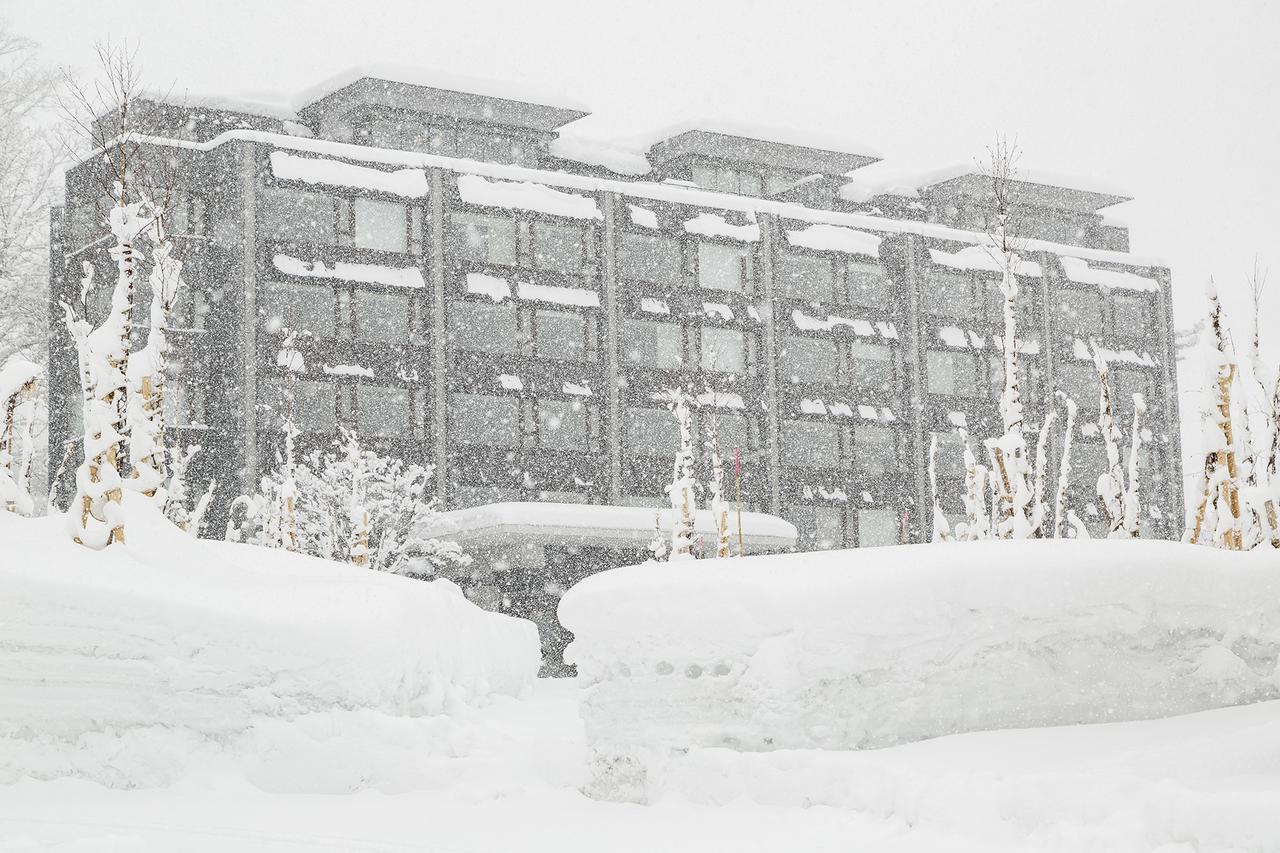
x=190 y=642
x=874 y=647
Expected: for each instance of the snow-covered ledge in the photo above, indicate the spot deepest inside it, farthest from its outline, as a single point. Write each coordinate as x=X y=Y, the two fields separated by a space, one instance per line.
x=879 y=646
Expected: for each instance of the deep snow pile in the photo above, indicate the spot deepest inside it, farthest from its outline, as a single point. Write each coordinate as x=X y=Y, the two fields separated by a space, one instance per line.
x=868 y=648
x=121 y=665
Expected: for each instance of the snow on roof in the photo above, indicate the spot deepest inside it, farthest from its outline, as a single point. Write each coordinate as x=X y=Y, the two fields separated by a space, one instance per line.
x=676 y=192
x=410 y=183
x=1078 y=270
x=983 y=259
x=523 y=195
x=366 y=273
x=432 y=78
x=836 y=238
x=561 y=523
x=1031 y=186
x=714 y=225
x=643 y=216
x=816 y=140
x=592 y=152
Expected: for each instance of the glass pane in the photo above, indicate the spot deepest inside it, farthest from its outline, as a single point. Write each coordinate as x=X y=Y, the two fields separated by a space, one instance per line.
x=479 y=419
x=559 y=247
x=869 y=285
x=723 y=351
x=408 y=133
x=950 y=295
x=877 y=527
x=875 y=448
x=811 y=444
x=871 y=365
x=749 y=183
x=382 y=317
x=735 y=432
x=560 y=334
x=950 y=458
x=562 y=424
x=806 y=277
x=1079 y=380
x=297 y=307
x=1079 y=310
x=380 y=225
x=652 y=432
x=484 y=238
x=809 y=359
x=653 y=344
x=382 y=411
x=722 y=267
x=1132 y=314
x=483 y=327
x=314 y=406
x=953 y=373
x=649 y=257
x=296 y=215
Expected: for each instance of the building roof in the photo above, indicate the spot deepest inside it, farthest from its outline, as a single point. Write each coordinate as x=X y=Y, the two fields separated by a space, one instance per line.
x=441 y=93
x=784 y=149
x=549 y=523
x=1038 y=189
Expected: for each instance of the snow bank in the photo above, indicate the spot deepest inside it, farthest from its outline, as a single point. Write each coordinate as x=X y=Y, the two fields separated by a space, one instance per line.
x=868 y=648
x=120 y=665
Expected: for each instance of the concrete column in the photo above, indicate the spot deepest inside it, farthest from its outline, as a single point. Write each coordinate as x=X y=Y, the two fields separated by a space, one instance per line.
x=916 y=396
x=613 y=408
x=1176 y=489
x=772 y=429
x=438 y=398
x=249 y=319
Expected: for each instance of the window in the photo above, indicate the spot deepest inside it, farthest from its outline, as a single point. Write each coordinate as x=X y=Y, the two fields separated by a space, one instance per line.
x=811 y=444
x=186 y=214
x=1132 y=314
x=877 y=527
x=875 y=448
x=382 y=317
x=381 y=225
x=477 y=419
x=408 y=133
x=723 y=351
x=650 y=343
x=382 y=410
x=1125 y=382
x=183 y=404
x=561 y=248
x=723 y=267
x=296 y=215
x=560 y=334
x=821 y=528
x=652 y=432
x=727 y=180
x=871 y=365
x=563 y=424
x=869 y=286
x=1088 y=462
x=191 y=308
x=484 y=238
x=314 y=405
x=951 y=295
x=950 y=454
x=649 y=257
x=490 y=147
x=734 y=432
x=951 y=373
x=297 y=307
x=1079 y=381
x=807 y=277
x=1080 y=310
x=483 y=327
x=809 y=359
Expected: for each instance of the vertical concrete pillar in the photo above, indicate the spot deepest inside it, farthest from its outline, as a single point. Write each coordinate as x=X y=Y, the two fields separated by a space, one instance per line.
x=613 y=408
x=916 y=394
x=769 y=367
x=438 y=402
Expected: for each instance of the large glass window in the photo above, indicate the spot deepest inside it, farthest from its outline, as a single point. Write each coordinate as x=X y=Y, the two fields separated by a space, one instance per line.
x=560 y=334
x=490 y=147
x=951 y=295
x=649 y=257
x=651 y=432
x=563 y=424
x=869 y=286
x=408 y=133
x=1079 y=381
x=480 y=419
x=724 y=351
x=382 y=410
x=875 y=448
x=952 y=373
x=314 y=405
x=650 y=343
x=811 y=444
x=183 y=404
x=809 y=359
x=1127 y=381
x=380 y=225
x=878 y=527
x=561 y=248
x=296 y=215
x=1079 y=310
x=483 y=327
x=950 y=454
x=807 y=277
x=297 y=307
x=484 y=238
x=382 y=316
x=723 y=267
x=1132 y=314
x=727 y=180
x=734 y=432
x=870 y=365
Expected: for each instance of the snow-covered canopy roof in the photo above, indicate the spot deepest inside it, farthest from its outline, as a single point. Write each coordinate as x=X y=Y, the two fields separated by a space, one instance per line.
x=440 y=93
x=547 y=523
x=1034 y=188
x=780 y=149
